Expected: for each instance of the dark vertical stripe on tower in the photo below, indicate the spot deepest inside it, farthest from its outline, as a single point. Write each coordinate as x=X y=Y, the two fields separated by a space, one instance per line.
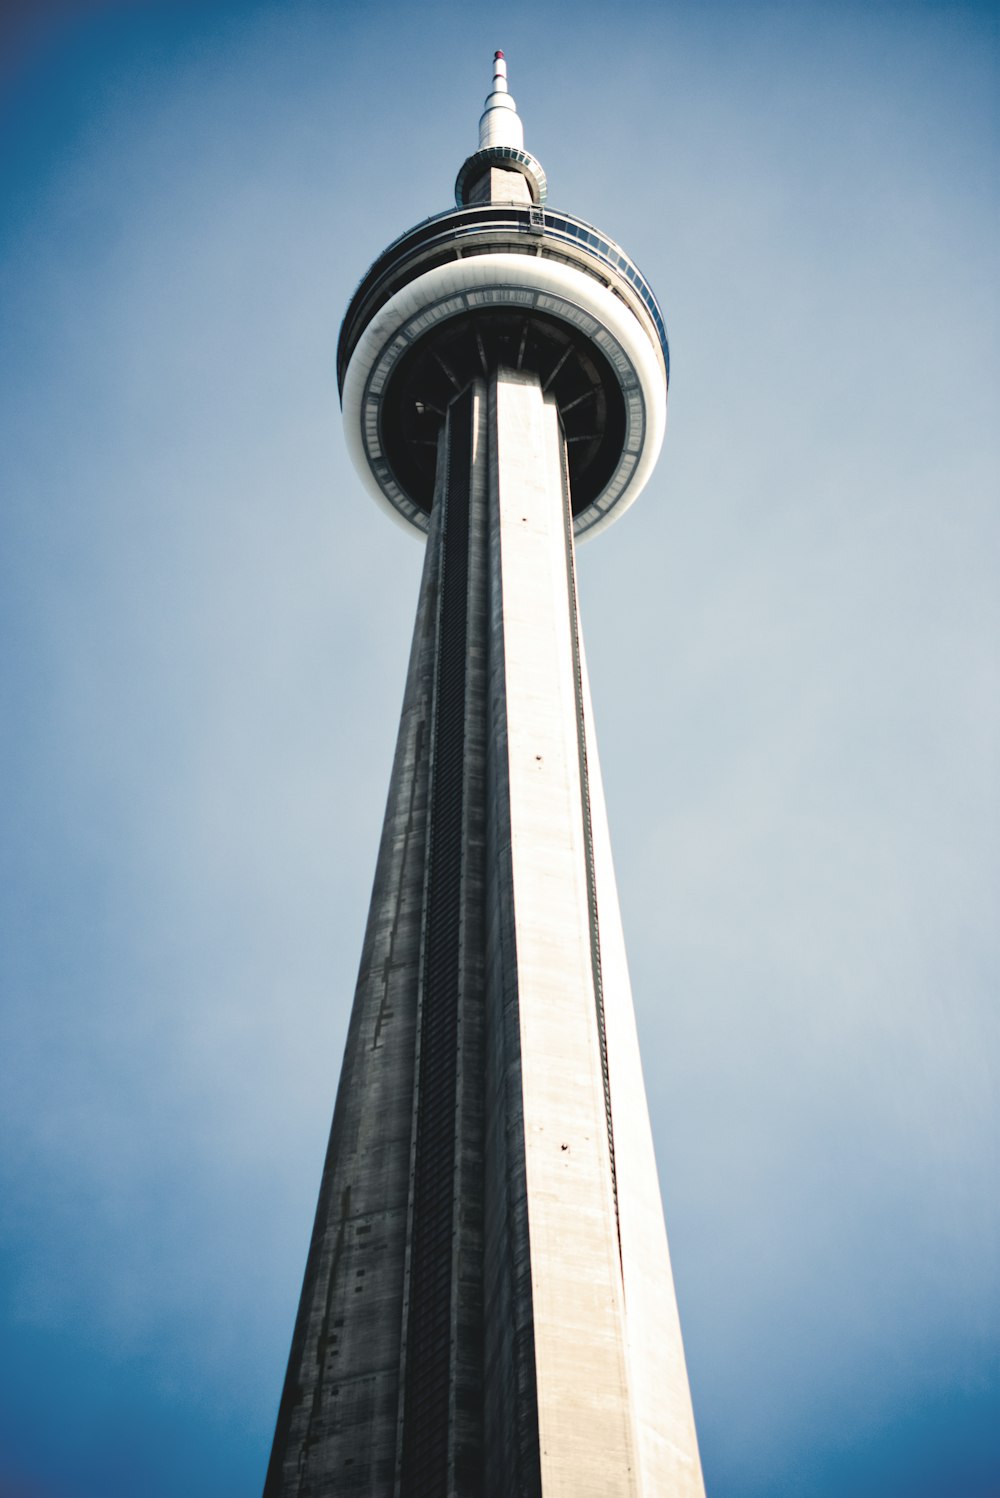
x=588 y=834
x=428 y=1342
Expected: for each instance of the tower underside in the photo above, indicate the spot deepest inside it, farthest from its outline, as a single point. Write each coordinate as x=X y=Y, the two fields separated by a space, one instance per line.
x=488 y=1305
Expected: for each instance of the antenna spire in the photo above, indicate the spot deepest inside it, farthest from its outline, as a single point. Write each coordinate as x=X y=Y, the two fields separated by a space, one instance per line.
x=490 y=175
x=500 y=125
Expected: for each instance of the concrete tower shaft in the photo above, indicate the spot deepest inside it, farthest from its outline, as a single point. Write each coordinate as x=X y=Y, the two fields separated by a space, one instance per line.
x=488 y=1306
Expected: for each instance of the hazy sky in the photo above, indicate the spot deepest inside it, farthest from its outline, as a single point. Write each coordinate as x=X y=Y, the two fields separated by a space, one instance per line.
x=793 y=649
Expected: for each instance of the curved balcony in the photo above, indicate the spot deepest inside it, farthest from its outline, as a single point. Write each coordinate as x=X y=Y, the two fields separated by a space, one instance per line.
x=500 y=228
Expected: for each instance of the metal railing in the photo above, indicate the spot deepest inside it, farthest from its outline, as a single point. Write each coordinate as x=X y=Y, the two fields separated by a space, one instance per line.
x=490 y=224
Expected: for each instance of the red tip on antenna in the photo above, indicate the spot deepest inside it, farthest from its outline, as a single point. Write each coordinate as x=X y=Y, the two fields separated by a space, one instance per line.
x=496 y=55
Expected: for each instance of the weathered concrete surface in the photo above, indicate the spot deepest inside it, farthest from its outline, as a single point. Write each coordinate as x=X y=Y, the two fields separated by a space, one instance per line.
x=440 y=1436
x=337 y=1424
x=657 y=1375
x=497 y=185
x=586 y=1437
x=488 y=1306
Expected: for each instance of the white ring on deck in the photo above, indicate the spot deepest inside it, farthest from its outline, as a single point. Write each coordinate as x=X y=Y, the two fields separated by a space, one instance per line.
x=534 y=283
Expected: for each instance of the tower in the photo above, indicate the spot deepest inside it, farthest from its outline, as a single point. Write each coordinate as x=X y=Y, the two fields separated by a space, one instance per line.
x=488 y=1305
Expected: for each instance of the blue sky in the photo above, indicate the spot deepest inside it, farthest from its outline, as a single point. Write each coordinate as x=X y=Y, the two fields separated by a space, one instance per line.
x=793 y=648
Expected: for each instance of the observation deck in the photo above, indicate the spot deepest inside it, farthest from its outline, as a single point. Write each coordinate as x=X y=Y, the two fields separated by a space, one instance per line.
x=512 y=284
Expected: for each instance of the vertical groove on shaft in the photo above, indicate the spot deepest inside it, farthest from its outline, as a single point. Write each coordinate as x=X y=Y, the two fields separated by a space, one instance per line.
x=428 y=1344
x=588 y=839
